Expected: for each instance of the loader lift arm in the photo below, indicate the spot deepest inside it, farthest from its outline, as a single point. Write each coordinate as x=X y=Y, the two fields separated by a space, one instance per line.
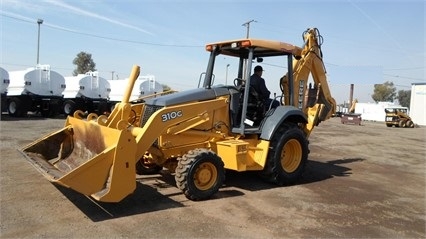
x=316 y=102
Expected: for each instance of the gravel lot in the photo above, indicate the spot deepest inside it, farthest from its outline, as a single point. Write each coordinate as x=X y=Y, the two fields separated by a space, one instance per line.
x=361 y=181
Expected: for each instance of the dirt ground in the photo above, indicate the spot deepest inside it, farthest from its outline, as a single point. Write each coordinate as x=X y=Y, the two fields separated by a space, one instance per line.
x=363 y=181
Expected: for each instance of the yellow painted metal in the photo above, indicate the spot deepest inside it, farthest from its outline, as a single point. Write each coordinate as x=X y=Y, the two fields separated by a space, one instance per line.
x=233 y=153
x=205 y=176
x=189 y=124
x=84 y=155
x=242 y=155
x=257 y=154
x=274 y=46
x=159 y=124
x=91 y=158
x=309 y=63
x=291 y=155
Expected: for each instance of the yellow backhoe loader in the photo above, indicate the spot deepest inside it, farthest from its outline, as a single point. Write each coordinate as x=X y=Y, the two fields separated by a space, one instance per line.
x=196 y=134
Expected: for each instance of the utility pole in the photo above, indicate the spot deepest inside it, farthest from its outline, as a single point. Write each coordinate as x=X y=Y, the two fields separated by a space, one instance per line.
x=39 y=22
x=112 y=75
x=247 y=24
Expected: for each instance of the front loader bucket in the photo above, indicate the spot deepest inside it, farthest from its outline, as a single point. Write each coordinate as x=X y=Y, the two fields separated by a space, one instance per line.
x=89 y=158
x=93 y=158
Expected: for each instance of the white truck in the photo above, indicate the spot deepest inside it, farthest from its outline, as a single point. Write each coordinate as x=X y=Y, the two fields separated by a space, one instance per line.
x=36 y=89
x=86 y=92
x=4 y=84
x=144 y=86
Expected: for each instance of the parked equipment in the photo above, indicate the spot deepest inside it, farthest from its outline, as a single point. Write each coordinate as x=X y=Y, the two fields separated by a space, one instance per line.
x=86 y=92
x=4 y=84
x=398 y=117
x=351 y=117
x=197 y=133
x=35 y=89
x=145 y=86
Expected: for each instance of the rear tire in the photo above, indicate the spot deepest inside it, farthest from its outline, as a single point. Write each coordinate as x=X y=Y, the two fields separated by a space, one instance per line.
x=287 y=156
x=199 y=174
x=16 y=107
x=69 y=107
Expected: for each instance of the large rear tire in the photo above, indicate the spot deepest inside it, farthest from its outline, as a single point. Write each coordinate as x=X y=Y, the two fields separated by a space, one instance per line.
x=287 y=156
x=16 y=107
x=199 y=174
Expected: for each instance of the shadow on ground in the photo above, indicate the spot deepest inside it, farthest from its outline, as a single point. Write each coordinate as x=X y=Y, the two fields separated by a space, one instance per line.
x=148 y=198
x=143 y=200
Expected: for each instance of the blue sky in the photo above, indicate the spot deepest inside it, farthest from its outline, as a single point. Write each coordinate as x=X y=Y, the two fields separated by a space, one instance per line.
x=365 y=42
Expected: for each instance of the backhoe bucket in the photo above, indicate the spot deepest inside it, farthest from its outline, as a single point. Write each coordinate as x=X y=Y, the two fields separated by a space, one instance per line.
x=88 y=157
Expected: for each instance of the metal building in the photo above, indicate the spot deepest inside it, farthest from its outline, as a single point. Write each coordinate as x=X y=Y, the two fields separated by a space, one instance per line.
x=418 y=103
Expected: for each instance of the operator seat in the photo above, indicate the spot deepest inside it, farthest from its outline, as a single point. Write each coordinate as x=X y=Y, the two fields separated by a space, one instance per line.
x=255 y=107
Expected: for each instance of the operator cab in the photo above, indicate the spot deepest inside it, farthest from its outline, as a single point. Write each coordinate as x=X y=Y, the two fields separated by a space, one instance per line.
x=247 y=118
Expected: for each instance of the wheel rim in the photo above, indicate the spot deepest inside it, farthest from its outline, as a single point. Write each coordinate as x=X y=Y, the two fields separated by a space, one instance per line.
x=12 y=107
x=291 y=156
x=67 y=109
x=205 y=176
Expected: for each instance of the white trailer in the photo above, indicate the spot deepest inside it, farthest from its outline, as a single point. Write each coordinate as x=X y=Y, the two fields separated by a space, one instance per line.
x=417 y=103
x=4 y=84
x=36 y=89
x=374 y=111
x=86 y=92
x=144 y=87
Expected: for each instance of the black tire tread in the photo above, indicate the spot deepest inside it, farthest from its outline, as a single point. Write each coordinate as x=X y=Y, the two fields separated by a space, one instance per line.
x=183 y=171
x=273 y=171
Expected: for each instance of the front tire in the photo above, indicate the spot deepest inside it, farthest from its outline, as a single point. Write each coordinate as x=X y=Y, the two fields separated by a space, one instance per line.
x=409 y=124
x=199 y=174
x=287 y=156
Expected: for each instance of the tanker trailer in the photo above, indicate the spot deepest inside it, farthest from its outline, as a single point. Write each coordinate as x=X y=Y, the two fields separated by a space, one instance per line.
x=145 y=87
x=4 y=84
x=86 y=92
x=36 y=89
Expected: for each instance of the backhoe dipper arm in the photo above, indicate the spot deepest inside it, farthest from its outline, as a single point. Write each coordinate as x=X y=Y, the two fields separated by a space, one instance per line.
x=317 y=102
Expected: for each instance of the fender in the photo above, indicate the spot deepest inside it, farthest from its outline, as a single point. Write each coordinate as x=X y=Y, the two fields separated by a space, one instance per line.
x=279 y=115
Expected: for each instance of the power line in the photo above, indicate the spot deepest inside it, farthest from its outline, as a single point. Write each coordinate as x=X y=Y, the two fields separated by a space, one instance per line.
x=120 y=40
x=401 y=69
x=404 y=77
x=101 y=37
x=19 y=19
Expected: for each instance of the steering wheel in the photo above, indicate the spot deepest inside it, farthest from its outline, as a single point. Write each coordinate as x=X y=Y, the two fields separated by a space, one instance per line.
x=238 y=81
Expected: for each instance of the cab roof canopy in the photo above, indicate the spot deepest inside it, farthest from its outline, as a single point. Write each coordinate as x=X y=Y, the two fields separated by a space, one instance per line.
x=262 y=48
